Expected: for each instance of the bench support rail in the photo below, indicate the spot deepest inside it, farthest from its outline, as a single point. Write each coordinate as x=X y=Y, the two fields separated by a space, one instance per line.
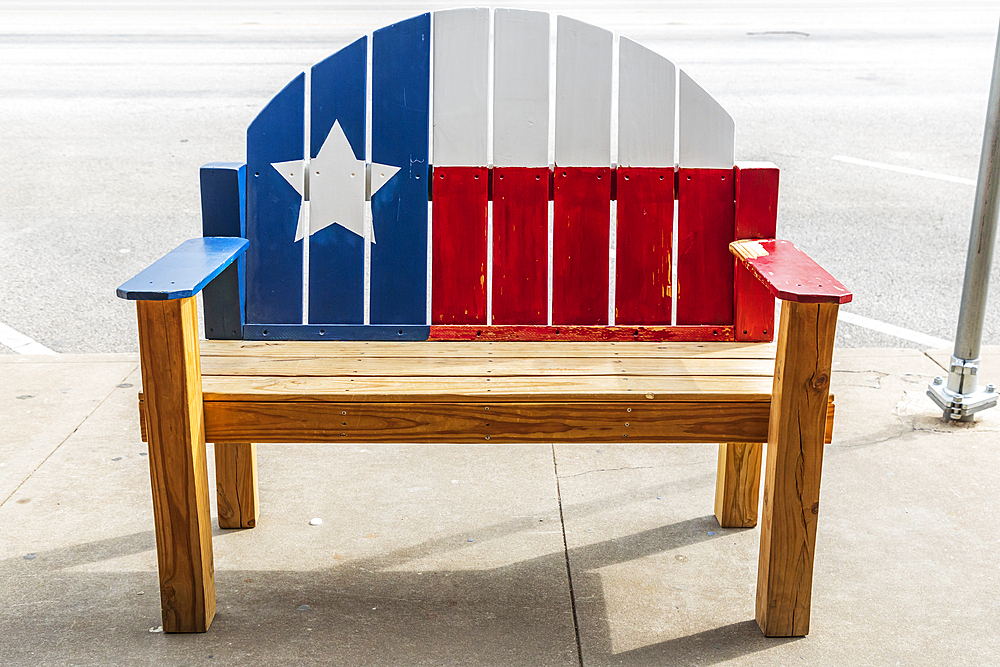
x=236 y=484
x=171 y=381
x=794 y=463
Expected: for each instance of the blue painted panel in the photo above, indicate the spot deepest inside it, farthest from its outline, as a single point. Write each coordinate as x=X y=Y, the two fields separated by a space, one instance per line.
x=337 y=255
x=400 y=332
x=274 y=261
x=223 y=198
x=183 y=271
x=400 y=92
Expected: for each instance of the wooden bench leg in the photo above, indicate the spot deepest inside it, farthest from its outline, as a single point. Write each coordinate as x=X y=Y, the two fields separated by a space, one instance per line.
x=171 y=384
x=794 y=463
x=737 y=485
x=236 y=484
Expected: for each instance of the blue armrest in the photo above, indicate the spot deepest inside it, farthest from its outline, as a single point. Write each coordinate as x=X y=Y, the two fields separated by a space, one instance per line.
x=185 y=270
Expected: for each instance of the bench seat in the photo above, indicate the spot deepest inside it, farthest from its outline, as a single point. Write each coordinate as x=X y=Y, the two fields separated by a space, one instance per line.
x=458 y=392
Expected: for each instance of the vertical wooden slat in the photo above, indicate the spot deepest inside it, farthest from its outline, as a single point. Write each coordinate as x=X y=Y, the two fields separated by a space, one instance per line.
x=520 y=245
x=458 y=294
x=400 y=101
x=461 y=186
x=737 y=484
x=583 y=178
x=521 y=178
x=705 y=227
x=705 y=208
x=223 y=213
x=756 y=218
x=645 y=193
x=794 y=465
x=236 y=484
x=175 y=428
x=337 y=187
x=643 y=291
x=580 y=242
x=275 y=140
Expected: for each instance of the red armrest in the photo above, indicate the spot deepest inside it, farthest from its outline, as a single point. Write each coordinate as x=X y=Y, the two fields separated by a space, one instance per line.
x=789 y=273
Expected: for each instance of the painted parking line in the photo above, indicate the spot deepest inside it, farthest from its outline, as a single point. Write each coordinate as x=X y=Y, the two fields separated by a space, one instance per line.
x=20 y=343
x=904 y=170
x=923 y=339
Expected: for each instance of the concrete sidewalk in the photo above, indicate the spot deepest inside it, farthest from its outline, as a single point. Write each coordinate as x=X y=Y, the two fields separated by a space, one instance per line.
x=461 y=555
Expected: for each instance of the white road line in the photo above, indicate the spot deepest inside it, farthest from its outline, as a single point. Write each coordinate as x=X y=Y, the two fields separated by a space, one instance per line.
x=904 y=170
x=893 y=330
x=20 y=343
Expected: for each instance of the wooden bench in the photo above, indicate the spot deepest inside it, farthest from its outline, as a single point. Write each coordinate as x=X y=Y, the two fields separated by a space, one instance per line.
x=582 y=302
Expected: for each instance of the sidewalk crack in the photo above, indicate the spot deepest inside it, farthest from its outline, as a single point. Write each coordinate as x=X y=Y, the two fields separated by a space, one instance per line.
x=63 y=441
x=569 y=571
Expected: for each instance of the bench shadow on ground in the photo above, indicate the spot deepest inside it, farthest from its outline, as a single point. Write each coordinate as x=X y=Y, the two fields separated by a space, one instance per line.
x=368 y=611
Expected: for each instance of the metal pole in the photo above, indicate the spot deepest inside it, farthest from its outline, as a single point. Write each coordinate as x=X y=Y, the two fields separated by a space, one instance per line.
x=961 y=397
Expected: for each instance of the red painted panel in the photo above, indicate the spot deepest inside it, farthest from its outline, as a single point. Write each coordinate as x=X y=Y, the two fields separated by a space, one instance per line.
x=520 y=245
x=582 y=333
x=580 y=244
x=458 y=293
x=789 y=273
x=645 y=231
x=705 y=227
x=756 y=218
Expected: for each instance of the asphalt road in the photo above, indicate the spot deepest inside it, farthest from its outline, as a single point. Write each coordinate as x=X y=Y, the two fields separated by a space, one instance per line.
x=108 y=109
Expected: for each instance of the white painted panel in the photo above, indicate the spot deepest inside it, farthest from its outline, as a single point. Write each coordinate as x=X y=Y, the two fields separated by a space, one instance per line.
x=520 y=88
x=583 y=94
x=707 y=134
x=646 y=95
x=461 y=67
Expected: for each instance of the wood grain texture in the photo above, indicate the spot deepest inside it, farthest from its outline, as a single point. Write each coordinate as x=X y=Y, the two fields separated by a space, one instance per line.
x=610 y=349
x=502 y=333
x=236 y=484
x=643 y=292
x=449 y=367
x=520 y=245
x=580 y=244
x=756 y=218
x=705 y=220
x=737 y=484
x=742 y=388
x=495 y=423
x=799 y=409
x=458 y=292
x=171 y=382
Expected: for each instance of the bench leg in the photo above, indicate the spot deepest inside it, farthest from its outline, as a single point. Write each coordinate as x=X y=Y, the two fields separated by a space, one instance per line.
x=171 y=384
x=794 y=463
x=236 y=484
x=737 y=485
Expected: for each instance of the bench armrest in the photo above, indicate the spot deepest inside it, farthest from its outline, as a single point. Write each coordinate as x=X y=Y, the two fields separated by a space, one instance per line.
x=788 y=273
x=185 y=270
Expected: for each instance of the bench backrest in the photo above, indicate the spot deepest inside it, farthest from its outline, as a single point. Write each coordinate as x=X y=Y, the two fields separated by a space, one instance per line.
x=525 y=227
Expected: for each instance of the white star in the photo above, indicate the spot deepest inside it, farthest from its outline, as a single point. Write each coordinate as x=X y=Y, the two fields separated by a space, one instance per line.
x=337 y=182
